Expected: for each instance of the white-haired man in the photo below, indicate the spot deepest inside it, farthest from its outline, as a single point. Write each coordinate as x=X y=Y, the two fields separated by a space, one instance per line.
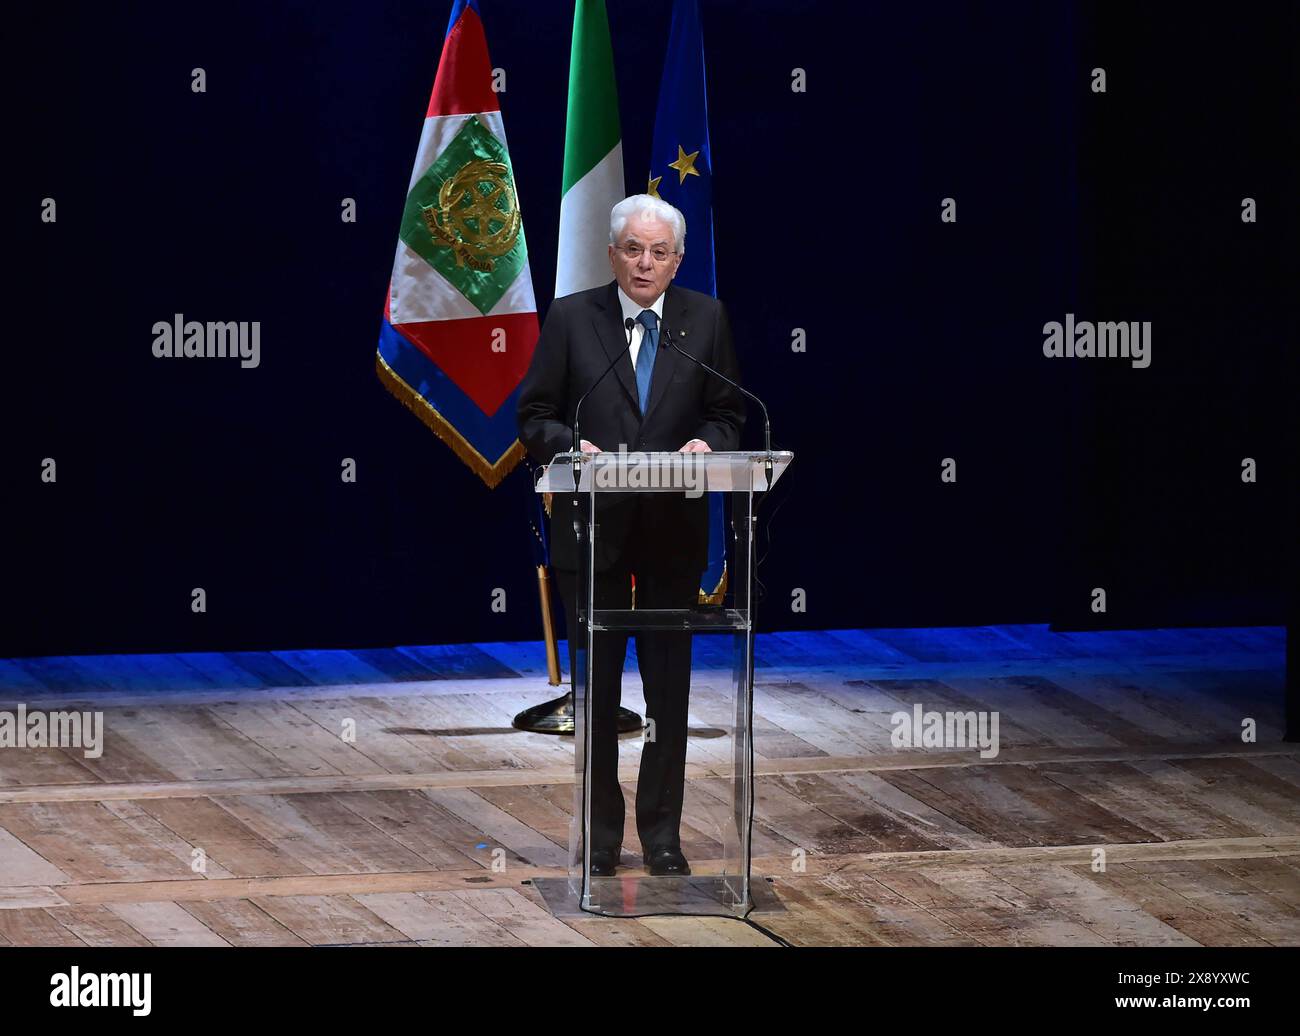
x=653 y=400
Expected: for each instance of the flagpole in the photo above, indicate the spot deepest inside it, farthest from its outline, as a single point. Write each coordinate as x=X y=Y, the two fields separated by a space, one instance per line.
x=548 y=627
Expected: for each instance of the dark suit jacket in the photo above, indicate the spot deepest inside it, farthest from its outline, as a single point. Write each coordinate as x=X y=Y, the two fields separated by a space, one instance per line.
x=583 y=332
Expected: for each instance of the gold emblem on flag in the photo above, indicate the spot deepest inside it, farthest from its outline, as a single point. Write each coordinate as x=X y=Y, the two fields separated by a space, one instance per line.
x=477 y=215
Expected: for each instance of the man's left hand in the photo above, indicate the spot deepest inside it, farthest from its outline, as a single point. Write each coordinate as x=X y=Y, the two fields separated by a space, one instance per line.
x=696 y=446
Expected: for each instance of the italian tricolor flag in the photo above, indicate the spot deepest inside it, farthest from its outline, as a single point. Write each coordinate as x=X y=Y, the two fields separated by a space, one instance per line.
x=460 y=321
x=593 y=155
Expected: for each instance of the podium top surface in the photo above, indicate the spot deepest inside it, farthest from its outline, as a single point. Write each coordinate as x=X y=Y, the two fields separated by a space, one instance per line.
x=633 y=471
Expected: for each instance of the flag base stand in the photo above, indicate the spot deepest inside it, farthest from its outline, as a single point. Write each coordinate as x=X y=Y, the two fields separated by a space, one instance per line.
x=556 y=717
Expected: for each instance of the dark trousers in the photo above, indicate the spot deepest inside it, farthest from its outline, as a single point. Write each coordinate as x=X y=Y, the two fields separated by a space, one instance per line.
x=664 y=659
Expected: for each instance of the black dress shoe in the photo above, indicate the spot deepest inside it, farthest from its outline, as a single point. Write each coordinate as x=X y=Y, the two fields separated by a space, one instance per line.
x=668 y=861
x=603 y=862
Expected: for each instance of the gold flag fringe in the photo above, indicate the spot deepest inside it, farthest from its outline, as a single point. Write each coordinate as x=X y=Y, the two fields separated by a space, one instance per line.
x=492 y=474
x=719 y=591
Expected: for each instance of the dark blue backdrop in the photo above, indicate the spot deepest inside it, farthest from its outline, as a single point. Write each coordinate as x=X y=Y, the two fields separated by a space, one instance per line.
x=923 y=339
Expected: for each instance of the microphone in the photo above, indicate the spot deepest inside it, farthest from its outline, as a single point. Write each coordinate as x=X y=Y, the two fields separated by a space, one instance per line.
x=628 y=324
x=666 y=336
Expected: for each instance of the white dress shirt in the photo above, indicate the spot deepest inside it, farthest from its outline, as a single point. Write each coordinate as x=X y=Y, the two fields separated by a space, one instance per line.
x=634 y=310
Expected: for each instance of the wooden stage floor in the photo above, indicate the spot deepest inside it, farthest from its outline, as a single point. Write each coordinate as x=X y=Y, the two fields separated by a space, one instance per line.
x=1131 y=741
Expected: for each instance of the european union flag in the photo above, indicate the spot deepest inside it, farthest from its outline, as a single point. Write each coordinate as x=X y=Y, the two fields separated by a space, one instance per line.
x=681 y=173
x=681 y=164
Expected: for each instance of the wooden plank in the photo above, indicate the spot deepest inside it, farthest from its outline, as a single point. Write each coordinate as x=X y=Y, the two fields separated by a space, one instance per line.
x=64 y=672
x=977 y=800
x=940 y=696
x=1068 y=817
x=35 y=926
x=821 y=724
x=158 y=834
x=859 y=813
x=1261 y=789
x=1250 y=691
x=233 y=849
x=1136 y=708
x=88 y=843
x=22 y=897
x=1037 y=710
x=893 y=919
x=458 y=661
x=532 y=807
x=1203 y=883
x=1283 y=767
x=1214 y=717
x=331 y=667
x=609 y=931
x=439 y=837
x=500 y=828
x=952 y=644
x=528 y=922
x=44 y=767
x=706 y=931
x=528 y=659
x=437 y=919
x=1114 y=919
x=1267 y=874
x=122 y=758
x=21 y=865
x=296 y=741
x=863 y=649
x=915 y=814
x=1166 y=905
x=190 y=742
x=242 y=923
x=98 y=926
x=389 y=751
x=1229 y=799
x=322 y=833
x=982 y=906
x=167 y=924
x=1169 y=813
x=810 y=919
x=16 y=682
x=840 y=797
x=803 y=824
x=329 y=920
x=271 y=671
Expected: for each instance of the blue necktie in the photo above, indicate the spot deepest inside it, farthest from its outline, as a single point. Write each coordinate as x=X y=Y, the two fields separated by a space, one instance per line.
x=645 y=357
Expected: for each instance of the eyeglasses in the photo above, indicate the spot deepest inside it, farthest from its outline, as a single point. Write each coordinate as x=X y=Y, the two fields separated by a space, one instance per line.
x=634 y=252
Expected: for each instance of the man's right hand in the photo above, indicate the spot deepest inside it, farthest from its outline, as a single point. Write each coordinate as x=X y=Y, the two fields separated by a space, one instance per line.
x=588 y=447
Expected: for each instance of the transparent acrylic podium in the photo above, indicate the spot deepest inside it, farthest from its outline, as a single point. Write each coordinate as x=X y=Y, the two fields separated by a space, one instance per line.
x=717 y=807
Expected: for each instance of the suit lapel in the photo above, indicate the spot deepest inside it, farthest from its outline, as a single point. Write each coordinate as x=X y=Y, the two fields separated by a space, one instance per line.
x=675 y=319
x=613 y=338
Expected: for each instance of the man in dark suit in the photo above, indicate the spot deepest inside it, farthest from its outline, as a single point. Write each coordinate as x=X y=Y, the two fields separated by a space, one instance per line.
x=653 y=400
